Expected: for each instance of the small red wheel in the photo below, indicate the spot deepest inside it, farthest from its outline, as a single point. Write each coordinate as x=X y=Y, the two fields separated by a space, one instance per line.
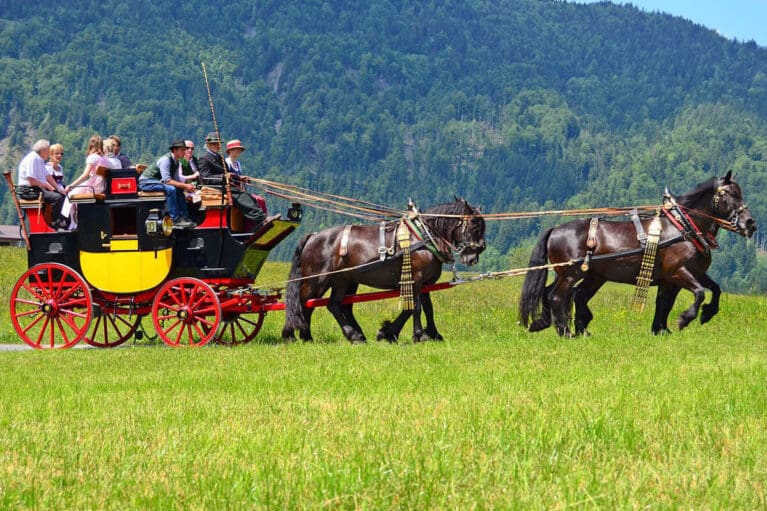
x=186 y=312
x=238 y=329
x=112 y=328
x=51 y=306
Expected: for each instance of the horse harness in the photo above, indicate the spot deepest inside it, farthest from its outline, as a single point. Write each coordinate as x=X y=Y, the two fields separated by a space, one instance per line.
x=422 y=234
x=686 y=225
x=591 y=243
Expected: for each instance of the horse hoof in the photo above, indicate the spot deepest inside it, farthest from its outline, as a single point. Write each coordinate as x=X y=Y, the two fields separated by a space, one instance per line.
x=383 y=336
x=707 y=312
x=358 y=341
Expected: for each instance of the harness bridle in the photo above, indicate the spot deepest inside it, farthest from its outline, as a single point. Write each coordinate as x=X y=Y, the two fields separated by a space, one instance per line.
x=465 y=244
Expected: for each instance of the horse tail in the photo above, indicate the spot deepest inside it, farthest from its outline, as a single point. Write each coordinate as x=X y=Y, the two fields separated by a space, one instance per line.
x=294 y=309
x=531 y=299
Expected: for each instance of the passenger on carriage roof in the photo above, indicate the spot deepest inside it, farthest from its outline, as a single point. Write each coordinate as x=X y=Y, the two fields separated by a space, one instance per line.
x=109 y=153
x=54 y=168
x=90 y=181
x=163 y=176
x=212 y=171
x=34 y=180
x=190 y=168
x=124 y=160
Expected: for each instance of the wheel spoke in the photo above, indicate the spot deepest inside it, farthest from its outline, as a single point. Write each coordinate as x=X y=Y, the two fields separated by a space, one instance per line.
x=186 y=311
x=51 y=306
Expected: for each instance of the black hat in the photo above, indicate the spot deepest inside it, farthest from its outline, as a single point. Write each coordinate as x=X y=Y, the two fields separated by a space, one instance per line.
x=213 y=137
x=177 y=144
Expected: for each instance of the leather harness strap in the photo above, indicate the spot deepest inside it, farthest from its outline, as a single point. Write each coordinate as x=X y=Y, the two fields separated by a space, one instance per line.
x=344 y=248
x=686 y=226
x=591 y=243
x=641 y=235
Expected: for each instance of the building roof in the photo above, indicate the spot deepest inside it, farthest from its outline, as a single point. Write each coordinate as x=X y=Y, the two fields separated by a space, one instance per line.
x=10 y=233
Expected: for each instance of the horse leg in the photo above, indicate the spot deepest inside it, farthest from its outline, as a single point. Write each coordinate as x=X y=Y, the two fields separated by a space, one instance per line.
x=687 y=280
x=710 y=309
x=584 y=292
x=418 y=332
x=545 y=320
x=390 y=329
x=346 y=309
x=336 y=308
x=664 y=302
x=305 y=333
x=560 y=299
x=428 y=311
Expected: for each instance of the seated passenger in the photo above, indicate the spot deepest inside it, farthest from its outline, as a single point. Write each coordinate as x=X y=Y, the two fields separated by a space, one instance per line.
x=34 y=181
x=125 y=162
x=54 y=167
x=109 y=154
x=163 y=175
x=90 y=181
x=213 y=172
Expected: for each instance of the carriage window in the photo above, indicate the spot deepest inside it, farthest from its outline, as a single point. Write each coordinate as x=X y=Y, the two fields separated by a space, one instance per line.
x=123 y=221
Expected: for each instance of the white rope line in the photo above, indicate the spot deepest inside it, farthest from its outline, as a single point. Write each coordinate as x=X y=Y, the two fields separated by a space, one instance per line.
x=491 y=275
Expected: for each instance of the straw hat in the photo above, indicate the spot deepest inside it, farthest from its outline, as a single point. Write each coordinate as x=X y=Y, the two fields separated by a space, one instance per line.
x=234 y=144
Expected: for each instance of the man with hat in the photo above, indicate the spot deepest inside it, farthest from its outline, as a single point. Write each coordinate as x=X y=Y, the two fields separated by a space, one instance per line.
x=213 y=169
x=163 y=175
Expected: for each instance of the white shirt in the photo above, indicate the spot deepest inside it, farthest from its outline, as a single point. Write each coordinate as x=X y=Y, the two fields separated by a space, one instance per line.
x=32 y=165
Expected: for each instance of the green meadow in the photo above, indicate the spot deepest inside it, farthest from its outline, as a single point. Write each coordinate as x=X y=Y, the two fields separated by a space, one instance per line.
x=494 y=417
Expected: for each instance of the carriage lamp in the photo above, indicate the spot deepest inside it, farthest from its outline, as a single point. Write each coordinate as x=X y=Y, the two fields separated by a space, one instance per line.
x=156 y=225
x=294 y=212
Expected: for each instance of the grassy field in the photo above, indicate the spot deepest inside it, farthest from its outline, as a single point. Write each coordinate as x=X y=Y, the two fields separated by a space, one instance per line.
x=492 y=418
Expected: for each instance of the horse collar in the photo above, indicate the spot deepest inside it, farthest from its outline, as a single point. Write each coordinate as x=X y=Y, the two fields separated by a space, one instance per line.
x=421 y=231
x=685 y=224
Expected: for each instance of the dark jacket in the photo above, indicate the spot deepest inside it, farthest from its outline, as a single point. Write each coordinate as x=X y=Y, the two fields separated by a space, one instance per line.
x=211 y=166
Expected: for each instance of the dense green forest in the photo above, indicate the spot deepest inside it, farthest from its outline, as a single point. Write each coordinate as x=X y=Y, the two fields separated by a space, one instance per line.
x=516 y=105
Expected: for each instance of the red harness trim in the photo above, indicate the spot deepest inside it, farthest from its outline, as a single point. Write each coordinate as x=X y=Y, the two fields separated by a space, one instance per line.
x=696 y=238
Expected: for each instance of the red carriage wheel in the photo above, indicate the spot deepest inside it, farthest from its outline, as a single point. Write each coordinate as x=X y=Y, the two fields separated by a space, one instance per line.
x=112 y=329
x=186 y=312
x=51 y=306
x=238 y=329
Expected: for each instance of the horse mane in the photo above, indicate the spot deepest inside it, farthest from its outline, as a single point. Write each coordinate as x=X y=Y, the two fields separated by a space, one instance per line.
x=444 y=224
x=701 y=190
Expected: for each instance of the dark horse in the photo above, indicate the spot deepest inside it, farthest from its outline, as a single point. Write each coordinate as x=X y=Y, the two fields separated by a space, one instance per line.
x=343 y=257
x=682 y=260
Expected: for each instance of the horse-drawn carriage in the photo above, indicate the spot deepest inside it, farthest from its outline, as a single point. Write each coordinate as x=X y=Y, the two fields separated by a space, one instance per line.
x=125 y=261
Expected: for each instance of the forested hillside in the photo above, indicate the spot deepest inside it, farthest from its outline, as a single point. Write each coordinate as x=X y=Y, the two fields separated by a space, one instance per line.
x=515 y=104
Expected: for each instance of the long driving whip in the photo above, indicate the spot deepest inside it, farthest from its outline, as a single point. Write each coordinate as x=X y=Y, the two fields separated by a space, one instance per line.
x=227 y=186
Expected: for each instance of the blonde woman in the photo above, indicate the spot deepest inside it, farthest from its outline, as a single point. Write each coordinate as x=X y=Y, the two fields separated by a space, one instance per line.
x=109 y=153
x=54 y=168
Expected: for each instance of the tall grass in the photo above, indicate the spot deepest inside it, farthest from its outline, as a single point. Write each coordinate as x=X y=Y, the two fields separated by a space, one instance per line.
x=494 y=417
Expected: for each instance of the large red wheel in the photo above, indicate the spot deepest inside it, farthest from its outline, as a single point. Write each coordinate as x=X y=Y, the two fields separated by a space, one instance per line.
x=51 y=306
x=186 y=312
x=112 y=328
x=238 y=329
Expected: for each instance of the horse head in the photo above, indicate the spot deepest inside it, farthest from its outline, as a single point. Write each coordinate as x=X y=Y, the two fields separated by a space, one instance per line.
x=469 y=235
x=728 y=204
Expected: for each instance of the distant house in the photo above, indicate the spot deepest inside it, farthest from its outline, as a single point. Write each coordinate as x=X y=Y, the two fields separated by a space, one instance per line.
x=10 y=235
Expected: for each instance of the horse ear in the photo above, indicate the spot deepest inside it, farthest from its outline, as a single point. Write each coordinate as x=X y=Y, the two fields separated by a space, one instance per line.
x=728 y=177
